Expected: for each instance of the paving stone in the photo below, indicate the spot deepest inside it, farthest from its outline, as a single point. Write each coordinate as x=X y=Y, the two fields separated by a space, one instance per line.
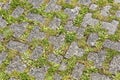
x=98 y=76
x=13 y=79
x=112 y=45
x=37 y=52
x=85 y=2
x=55 y=23
x=72 y=13
x=111 y=27
x=57 y=41
x=70 y=27
x=97 y=58
x=18 y=29
x=80 y=32
x=55 y=58
x=1 y=37
x=3 y=56
x=93 y=7
x=117 y=1
x=88 y=20
x=39 y=73
x=36 y=34
x=52 y=6
x=105 y=10
x=17 y=12
x=77 y=71
x=57 y=77
x=118 y=13
x=114 y=66
x=52 y=1
x=6 y=6
x=114 y=22
x=15 y=45
x=1 y=4
x=35 y=17
x=16 y=64
x=93 y=37
x=74 y=50
x=3 y=22
x=68 y=1
x=63 y=66
x=36 y=3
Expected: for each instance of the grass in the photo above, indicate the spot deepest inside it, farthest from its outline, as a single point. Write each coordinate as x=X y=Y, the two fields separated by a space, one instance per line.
x=117 y=76
x=109 y=57
x=25 y=76
x=87 y=72
x=70 y=37
x=78 y=20
x=4 y=76
x=51 y=71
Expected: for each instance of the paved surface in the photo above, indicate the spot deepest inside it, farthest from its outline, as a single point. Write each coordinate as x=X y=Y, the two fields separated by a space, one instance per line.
x=59 y=40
